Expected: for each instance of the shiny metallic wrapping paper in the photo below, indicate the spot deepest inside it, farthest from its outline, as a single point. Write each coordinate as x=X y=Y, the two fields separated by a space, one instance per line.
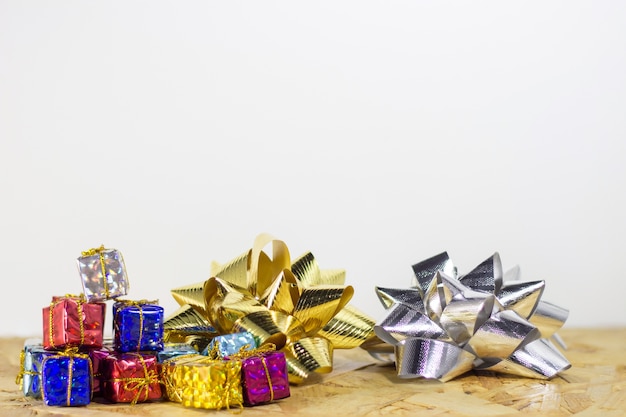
x=264 y=377
x=200 y=382
x=103 y=274
x=31 y=359
x=71 y=321
x=230 y=344
x=98 y=357
x=445 y=325
x=138 y=325
x=131 y=378
x=172 y=350
x=66 y=378
x=294 y=305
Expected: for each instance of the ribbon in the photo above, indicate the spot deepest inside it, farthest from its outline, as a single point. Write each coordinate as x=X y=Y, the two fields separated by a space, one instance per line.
x=80 y=299
x=174 y=386
x=186 y=325
x=100 y=252
x=445 y=325
x=294 y=305
x=19 y=379
x=138 y=304
x=139 y=384
x=244 y=353
x=71 y=353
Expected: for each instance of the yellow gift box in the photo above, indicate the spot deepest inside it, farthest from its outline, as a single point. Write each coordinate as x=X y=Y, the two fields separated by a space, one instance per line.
x=201 y=382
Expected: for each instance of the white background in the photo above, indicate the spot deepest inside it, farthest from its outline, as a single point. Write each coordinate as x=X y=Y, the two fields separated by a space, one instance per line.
x=374 y=134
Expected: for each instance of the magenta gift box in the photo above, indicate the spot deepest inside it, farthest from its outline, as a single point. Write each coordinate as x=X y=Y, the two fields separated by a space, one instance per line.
x=264 y=378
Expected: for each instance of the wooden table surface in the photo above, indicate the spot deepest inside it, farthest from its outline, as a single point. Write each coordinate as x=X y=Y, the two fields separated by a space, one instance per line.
x=595 y=385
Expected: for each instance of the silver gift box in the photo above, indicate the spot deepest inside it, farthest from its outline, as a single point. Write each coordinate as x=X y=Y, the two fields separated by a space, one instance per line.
x=103 y=274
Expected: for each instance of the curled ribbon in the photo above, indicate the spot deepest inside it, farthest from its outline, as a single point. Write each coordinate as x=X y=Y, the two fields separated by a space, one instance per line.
x=445 y=325
x=296 y=306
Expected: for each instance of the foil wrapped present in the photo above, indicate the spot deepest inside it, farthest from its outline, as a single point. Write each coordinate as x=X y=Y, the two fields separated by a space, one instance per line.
x=445 y=324
x=198 y=381
x=138 y=326
x=264 y=375
x=294 y=305
x=66 y=379
x=31 y=359
x=230 y=344
x=98 y=357
x=131 y=378
x=173 y=350
x=71 y=321
x=103 y=274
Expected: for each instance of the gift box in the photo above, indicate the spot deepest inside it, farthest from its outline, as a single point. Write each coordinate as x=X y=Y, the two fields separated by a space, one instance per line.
x=70 y=321
x=200 y=382
x=66 y=379
x=173 y=350
x=138 y=326
x=131 y=378
x=98 y=357
x=264 y=378
x=103 y=274
x=31 y=359
x=229 y=344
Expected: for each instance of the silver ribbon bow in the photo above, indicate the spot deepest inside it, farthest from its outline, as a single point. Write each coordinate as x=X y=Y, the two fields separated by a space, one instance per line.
x=445 y=325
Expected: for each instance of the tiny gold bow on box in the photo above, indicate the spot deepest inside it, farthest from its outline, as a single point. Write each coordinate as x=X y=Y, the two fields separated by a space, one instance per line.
x=296 y=306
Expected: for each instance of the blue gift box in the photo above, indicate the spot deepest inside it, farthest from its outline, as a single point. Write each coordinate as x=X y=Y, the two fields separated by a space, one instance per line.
x=66 y=379
x=138 y=326
x=172 y=350
x=30 y=372
x=229 y=344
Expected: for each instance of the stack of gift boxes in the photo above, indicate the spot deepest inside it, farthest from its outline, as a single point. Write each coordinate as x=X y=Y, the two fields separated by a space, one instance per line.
x=73 y=363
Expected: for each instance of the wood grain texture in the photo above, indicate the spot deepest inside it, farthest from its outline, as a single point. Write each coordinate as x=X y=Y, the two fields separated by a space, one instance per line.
x=594 y=386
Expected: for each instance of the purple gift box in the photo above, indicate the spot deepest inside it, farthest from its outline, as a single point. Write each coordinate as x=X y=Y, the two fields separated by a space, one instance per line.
x=97 y=357
x=264 y=378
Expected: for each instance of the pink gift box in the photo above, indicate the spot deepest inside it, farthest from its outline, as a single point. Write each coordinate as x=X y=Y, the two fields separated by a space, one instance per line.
x=264 y=378
x=98 y=357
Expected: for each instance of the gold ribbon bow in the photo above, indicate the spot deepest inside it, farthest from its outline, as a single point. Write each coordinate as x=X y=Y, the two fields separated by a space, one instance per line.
x=71 y=353
x=296 y=306
x=138 y=304
x=139 y=384
x=80 y=299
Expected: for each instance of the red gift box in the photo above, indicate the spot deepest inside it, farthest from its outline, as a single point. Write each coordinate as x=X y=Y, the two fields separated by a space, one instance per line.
x=71 y=321
x=131 y=378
